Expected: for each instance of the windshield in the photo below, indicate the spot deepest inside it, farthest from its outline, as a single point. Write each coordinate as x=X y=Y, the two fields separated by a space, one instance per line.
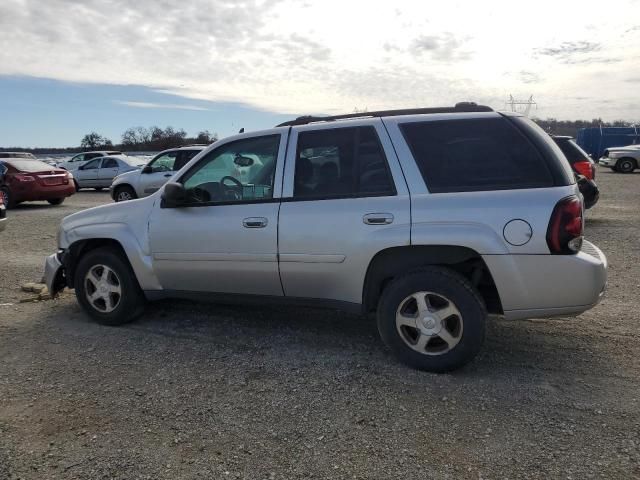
x=29 y=165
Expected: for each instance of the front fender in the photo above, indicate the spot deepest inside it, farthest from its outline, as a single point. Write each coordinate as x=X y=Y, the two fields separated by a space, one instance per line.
x=138 y=256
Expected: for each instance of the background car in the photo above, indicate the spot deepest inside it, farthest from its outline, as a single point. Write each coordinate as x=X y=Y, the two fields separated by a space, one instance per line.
x=621 y=159
x=583 y=166
x=80 y=159
x=3 y=214
x=24 y=180
x=100 y=172
x=26 y=155
x=157 y=172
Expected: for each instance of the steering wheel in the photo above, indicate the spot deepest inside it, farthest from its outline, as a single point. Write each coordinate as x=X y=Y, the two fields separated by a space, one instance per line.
x=235 y=190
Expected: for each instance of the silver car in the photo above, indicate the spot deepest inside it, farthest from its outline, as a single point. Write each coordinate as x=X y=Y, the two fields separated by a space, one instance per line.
x=100 y=172
x=431 y=218
x=140 y=183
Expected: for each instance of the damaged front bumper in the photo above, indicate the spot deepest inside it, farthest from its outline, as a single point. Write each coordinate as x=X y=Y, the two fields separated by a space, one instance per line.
x=54 y=273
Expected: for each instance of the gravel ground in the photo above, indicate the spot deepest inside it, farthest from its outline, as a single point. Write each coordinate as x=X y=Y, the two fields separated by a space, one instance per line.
x=204 y=391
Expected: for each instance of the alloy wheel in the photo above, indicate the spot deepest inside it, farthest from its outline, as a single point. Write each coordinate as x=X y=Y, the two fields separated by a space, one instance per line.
x=429 y=323
x=102 y=288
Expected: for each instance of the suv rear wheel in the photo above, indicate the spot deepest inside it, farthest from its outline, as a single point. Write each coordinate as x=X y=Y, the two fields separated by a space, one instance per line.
x=432 y=320
x=107 y=288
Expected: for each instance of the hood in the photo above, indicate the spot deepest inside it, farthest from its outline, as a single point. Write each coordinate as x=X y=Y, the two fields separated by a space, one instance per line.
x=128 y=174
x=628 y=148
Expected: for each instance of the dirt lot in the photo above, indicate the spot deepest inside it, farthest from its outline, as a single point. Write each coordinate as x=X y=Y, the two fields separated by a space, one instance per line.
x=202 y=391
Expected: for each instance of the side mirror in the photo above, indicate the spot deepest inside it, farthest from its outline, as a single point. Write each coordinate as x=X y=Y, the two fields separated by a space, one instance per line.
x=173 y=195
x=147 y=169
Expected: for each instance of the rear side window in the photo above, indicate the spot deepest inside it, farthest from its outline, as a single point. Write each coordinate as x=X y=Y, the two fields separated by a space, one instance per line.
x=474 y=155
x=341 y=162
x=109 y=163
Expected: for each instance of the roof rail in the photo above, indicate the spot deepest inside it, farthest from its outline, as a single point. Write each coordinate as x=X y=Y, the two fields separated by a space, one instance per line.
x=459 y=107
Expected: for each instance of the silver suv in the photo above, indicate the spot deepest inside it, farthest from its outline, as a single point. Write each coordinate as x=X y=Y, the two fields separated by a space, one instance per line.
x=431 y=218
x=157 y=172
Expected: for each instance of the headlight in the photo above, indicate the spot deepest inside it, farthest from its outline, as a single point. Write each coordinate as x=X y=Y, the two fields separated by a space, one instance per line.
x=615 y=154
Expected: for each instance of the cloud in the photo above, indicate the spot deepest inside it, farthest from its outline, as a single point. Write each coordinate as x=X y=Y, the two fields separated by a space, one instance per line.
x=304 y=57
x=172 y=106
x=445 y=47
x=529 y=77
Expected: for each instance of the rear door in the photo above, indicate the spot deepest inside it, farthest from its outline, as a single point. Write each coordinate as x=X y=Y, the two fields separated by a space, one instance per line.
x=345 y=199
x=108 y=171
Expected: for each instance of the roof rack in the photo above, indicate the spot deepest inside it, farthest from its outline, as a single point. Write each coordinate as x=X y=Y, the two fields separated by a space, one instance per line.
x=459 y=107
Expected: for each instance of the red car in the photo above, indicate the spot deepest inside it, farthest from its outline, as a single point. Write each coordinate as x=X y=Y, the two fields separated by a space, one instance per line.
x=23 y=180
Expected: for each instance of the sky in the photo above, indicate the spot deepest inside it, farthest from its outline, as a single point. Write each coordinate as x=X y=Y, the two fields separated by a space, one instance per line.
x=70 y=67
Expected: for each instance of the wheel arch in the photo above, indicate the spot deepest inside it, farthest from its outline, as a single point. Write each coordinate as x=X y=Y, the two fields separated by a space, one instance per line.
x=392 y=262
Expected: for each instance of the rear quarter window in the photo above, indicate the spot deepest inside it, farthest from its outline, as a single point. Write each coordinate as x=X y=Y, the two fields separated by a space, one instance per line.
x=474 y=155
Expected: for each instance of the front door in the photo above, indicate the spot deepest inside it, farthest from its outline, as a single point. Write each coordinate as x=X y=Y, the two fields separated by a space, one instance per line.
x=225 y=237
x=162 y=169
x=87 y=174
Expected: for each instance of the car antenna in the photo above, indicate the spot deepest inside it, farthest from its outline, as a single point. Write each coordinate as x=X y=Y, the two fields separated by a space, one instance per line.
x=241 y=130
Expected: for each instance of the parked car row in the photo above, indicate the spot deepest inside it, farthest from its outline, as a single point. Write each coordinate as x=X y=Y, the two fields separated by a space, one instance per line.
x=430 y=218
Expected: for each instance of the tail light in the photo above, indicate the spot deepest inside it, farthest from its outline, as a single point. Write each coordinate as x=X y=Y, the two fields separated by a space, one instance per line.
x=585 y=168
x=564 y=234
x=21 y=177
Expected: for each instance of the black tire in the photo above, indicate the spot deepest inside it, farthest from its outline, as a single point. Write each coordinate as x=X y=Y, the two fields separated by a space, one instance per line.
x=75 y=183
x=122 y=192
x=56 y=201
x=130 y=303
x=626 y=165
x=7 y=197
x=449 y=286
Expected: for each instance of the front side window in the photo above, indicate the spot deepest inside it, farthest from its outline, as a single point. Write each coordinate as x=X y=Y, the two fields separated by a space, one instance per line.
x=78 y=158
x=475 y=155
x=341 y=162
x=92 y=164
x=164 y=163
x=3 y=168
x=238 y=171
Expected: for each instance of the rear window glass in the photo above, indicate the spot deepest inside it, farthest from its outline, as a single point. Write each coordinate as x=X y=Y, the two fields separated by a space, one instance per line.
x=572 y=151
x=474 y=155
x=29 y=165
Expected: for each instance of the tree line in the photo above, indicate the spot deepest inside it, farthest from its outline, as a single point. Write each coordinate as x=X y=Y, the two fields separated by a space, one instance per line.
x=571 y=127
x=147 y=139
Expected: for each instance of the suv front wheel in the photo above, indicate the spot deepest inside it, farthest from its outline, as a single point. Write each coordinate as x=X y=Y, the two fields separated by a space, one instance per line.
x=107 y=288
x=432 y=319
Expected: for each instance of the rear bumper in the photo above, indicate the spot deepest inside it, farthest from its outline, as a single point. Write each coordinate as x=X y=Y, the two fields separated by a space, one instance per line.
x=534 y=286
x=39 y=192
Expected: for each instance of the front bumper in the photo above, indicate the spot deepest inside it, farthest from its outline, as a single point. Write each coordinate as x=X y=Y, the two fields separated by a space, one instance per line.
x=54 y=273
x=607 y=162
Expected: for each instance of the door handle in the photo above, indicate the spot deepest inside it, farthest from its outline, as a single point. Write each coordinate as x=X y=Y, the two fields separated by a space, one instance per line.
x=255 y=222
x=377 y=219
x=168 y=174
